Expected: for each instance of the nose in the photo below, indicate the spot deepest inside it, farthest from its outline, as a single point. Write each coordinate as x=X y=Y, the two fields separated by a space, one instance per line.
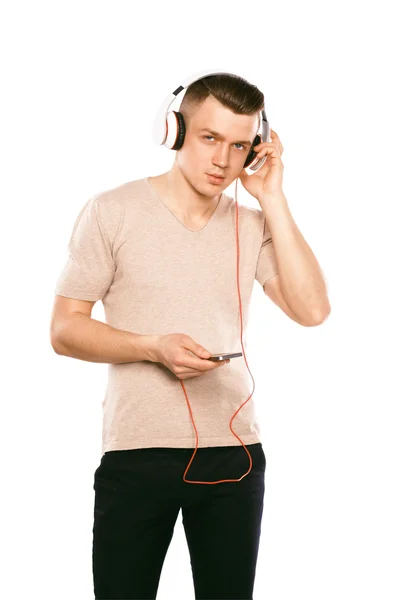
x=221 y=156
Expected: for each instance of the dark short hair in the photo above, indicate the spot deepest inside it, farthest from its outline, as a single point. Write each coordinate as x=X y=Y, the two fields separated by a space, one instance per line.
x=232 y=91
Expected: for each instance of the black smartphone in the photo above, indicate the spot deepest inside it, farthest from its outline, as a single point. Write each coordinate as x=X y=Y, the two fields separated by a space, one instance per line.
x=217 y=357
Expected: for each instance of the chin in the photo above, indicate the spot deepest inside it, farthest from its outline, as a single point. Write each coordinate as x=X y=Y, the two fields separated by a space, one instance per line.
x=202 y=186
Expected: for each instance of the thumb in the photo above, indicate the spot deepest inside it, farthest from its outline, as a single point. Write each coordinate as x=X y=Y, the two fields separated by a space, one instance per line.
x=197 y=349
x=202 y=352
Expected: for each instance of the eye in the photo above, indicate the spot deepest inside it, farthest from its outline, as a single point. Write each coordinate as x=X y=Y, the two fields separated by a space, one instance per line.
x=210 y=136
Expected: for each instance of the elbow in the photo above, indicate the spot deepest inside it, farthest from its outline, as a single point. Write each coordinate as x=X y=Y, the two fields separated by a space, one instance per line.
x=55 y=344
x=319 y=318
x=55 y=338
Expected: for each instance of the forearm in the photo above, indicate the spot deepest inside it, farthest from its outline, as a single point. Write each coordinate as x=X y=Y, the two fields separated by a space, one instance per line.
x=80 y=336
x=302 y=281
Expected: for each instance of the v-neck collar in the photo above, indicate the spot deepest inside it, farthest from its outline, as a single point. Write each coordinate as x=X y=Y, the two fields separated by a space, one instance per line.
x=155 y=195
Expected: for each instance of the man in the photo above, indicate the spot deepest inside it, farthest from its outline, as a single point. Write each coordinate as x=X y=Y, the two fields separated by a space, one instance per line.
x=160 y=252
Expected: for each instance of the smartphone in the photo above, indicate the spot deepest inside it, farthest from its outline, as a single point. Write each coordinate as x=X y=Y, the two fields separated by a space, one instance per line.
x=217 y=357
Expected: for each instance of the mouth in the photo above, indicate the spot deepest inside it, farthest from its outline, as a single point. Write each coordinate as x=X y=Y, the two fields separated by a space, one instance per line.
x=215 y=178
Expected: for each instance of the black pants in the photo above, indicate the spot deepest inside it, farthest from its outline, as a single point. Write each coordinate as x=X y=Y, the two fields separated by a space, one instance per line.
x=138 y=496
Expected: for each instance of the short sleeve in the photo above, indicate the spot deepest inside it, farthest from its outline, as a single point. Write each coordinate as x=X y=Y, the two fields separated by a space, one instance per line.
x=267 y=266
x=90 y=268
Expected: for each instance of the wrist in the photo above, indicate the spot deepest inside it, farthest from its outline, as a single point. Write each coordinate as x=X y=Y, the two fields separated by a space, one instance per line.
x=150 y=346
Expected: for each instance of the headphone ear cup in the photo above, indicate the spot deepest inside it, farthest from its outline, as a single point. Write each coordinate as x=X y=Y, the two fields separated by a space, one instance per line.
x=252 y=154
x=181 y=131
x=175 y=130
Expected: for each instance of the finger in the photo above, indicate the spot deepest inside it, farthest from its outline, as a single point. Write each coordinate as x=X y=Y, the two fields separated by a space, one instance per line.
x=273 y=152
x=265 y=145
x=275 y=136
x=202 y=364
x=275 y=142
x=195 y=371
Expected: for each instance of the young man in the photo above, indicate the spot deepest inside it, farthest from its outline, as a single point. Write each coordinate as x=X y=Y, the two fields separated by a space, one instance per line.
x=160 y=252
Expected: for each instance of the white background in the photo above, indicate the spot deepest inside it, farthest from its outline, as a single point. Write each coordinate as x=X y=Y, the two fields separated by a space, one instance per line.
x=81 y=82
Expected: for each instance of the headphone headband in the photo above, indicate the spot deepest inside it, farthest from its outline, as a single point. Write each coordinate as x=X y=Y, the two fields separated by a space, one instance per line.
x=160 y=124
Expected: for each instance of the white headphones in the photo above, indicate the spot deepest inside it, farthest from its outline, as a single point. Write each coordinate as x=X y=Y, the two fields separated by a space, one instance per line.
x=169 y=126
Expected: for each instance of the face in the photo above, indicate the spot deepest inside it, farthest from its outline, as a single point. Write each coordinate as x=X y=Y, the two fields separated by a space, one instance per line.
x=223 y=152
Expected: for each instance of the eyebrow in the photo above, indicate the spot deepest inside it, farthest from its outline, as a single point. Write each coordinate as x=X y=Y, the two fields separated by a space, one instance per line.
x=216 y=134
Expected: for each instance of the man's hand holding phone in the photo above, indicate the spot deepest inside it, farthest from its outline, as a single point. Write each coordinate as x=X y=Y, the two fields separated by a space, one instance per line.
x=186 y=358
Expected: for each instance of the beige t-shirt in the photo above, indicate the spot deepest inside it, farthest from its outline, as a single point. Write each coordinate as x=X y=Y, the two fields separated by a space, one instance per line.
x=156 y=276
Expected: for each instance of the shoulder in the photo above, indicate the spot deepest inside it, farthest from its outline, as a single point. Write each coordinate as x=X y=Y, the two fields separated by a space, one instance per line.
x=250 y=215
x=112 y=204
x=115 y=198
x=106 y=209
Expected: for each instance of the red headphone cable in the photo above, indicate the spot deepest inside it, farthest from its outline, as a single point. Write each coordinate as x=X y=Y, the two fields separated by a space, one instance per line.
x=244 y=356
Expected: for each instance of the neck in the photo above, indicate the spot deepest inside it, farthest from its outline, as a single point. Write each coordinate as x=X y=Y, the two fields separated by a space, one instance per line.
x=183 y=198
